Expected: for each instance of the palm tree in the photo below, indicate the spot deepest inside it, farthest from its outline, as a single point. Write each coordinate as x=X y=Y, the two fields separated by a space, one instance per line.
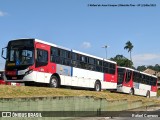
x=129 y=47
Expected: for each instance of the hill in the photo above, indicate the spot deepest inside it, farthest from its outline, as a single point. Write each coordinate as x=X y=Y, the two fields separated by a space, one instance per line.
x=7 y=91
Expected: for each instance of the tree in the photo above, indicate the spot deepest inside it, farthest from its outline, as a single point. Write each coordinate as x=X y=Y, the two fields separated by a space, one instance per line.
x=141 y=68
x=129 y=46
x=155 y=68
x=122 y=61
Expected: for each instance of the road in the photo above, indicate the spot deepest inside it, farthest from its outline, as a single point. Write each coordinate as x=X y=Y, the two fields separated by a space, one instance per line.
x=149 y=113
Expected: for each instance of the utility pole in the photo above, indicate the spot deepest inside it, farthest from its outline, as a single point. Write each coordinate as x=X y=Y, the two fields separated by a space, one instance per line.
x=105 y=47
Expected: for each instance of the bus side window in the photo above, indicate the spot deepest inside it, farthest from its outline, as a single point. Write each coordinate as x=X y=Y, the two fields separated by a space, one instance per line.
x=91 y=64
x=98 y=65
x=128 y=76
x=147 y=80
x=42 y=58
x=112 y=68
x=153 y=81
x=75 y=61
x=135 y=77
x=105 y=67
x=143 y=79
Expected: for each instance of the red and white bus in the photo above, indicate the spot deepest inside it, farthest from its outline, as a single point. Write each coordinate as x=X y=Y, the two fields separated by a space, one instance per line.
x=1 y=77
x=2 y=82
x=35 y=61
x=136 y=83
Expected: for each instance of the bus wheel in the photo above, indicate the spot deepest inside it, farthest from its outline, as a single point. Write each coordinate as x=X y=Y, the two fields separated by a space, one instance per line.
x=97 y=86
x=148 y=94
x=54 y=82
x=131 y=91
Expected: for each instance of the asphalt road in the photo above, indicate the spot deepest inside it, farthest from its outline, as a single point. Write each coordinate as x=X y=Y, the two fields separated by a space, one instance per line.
x=150 y=113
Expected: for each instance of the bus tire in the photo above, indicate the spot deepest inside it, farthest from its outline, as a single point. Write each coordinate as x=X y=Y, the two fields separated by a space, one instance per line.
x=97 y=86
x=54 y=82
x=148 y=94
x=131 y=91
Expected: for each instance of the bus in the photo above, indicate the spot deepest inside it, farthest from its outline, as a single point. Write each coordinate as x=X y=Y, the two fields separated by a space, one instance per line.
x=2 y=81
x=1 y=77
x=31 y=61
x=136 y=83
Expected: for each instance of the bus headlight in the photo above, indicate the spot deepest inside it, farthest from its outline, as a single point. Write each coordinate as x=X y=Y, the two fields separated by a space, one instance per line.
x=29 y=72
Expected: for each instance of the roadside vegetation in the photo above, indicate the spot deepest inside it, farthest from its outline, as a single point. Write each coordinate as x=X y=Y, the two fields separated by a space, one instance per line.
x=158 y=93
x=7 y=91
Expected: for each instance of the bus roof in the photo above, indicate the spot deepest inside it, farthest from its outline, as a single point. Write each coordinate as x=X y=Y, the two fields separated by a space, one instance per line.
x=148 y=74
x=127 y=68
x=37 y=40
x=137 y=71
x=110 y=61
x=86 y=54
x=51 y=44
x=41 y=41
x=93 y=56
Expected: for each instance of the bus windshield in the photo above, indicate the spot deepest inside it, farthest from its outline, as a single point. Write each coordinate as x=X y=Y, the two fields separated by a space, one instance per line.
x=21 y=56
x=121 y=73
x=20 y=52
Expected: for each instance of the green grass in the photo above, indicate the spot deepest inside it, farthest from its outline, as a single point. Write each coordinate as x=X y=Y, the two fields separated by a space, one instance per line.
x=7 y=91
x=158 y=93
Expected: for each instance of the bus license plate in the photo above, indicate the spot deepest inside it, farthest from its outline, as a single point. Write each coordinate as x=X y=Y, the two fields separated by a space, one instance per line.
x=14 y=78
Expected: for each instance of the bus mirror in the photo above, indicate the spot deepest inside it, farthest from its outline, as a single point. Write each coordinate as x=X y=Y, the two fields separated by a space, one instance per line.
x=2 y=54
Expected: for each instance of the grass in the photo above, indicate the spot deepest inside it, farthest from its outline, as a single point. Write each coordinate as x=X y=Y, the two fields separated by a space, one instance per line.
x=7 y=91
x=158 y=93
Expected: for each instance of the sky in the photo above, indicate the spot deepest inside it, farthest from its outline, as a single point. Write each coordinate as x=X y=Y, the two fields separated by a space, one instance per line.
x=86 y=26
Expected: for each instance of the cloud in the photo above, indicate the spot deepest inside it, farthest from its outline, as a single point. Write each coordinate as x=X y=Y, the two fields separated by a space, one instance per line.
x=2 y=14
x=146 y=59
x=86 y=45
